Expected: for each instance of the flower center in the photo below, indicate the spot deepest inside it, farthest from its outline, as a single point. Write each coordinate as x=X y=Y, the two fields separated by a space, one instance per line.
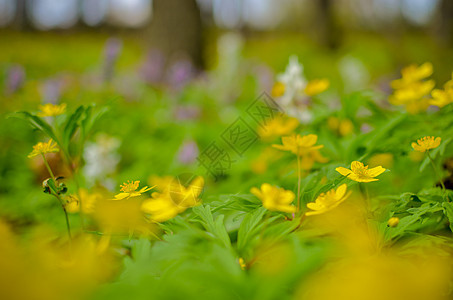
x=129 y=187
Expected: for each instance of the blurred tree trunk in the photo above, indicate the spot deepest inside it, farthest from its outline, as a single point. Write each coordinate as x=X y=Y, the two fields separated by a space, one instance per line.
x=329 y=31
x=176 y=28
x=21 y=21
x=446 y=21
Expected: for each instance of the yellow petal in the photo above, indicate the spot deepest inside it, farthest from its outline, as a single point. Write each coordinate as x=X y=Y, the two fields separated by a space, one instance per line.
x=121 y=196
x=375 y=171
x=341 y=190
x=343 y=171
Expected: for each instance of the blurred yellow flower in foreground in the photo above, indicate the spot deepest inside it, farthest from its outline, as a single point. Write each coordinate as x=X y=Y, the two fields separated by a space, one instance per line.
x=44 y=267
x=410 y=90
x=299 y=145
x=328 y=201
x=361 y=173
x=129 y=190
x=50 y=110
x=88 y=202
x=316 y=86
x=275 y=198
x=122 y=217
x=278 y=89
x=161 y=183
x=43 y=148
x=174 y=200
x=381 y=276
x=278 y=126
x=426 y=143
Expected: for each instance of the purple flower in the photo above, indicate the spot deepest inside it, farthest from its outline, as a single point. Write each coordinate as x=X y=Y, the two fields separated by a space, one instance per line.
x=153 y=67
x=265 y=77
x=182 y=113
x=112 y=50
x=15 y=78
x=179 y=74
x=51 y=90
x=188 y=152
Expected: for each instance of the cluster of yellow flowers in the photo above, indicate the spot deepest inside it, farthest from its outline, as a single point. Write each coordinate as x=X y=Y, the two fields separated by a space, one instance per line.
x=412 y=90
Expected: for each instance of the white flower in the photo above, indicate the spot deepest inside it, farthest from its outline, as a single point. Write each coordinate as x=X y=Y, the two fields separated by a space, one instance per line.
x=294 y=102
x=101 y=159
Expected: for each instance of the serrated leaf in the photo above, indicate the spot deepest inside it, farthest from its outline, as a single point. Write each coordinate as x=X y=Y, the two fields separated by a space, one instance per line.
x=448 y=211
x=216 y=227
x=248 y=225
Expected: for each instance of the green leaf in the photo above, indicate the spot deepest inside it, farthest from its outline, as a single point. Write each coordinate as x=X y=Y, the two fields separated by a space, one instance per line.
x=216 y=226
x=72 y=124
x=448 y=211
x=249 y=223
x=39 y=124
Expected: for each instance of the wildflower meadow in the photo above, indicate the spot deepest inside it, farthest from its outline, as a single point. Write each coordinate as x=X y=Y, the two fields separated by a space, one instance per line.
x=281 y=168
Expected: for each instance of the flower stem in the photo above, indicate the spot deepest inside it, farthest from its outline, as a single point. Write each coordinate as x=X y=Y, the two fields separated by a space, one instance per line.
x=48 y=168
x=68 y=227
x=436 y=171
x=58 y=196
x=298 y=182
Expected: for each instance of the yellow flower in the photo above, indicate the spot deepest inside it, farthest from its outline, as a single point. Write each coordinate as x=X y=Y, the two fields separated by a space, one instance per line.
x=361 y=173
x=308 y=160
x=413 y=73
x=129 y=190
x=316 y=86
x=443 y=97
x=162 y=183
x=278 y=89
x=411 y=90
x=277 y=127
x=328 y=201
x=88 y=202
x=393 y=222
x=299 y=145
x=426 y=143
x=341 y=127
x=161 y=207
x=50 y=110
x=186 y=196
x=275 y=198
x=174 y=200
x=43 y=148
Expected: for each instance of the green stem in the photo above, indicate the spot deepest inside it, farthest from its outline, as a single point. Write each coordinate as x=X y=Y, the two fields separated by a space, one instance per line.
x=435 y=170
x=298 y=182
x=68 y=227
x=48 y=168
x=58 y=196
